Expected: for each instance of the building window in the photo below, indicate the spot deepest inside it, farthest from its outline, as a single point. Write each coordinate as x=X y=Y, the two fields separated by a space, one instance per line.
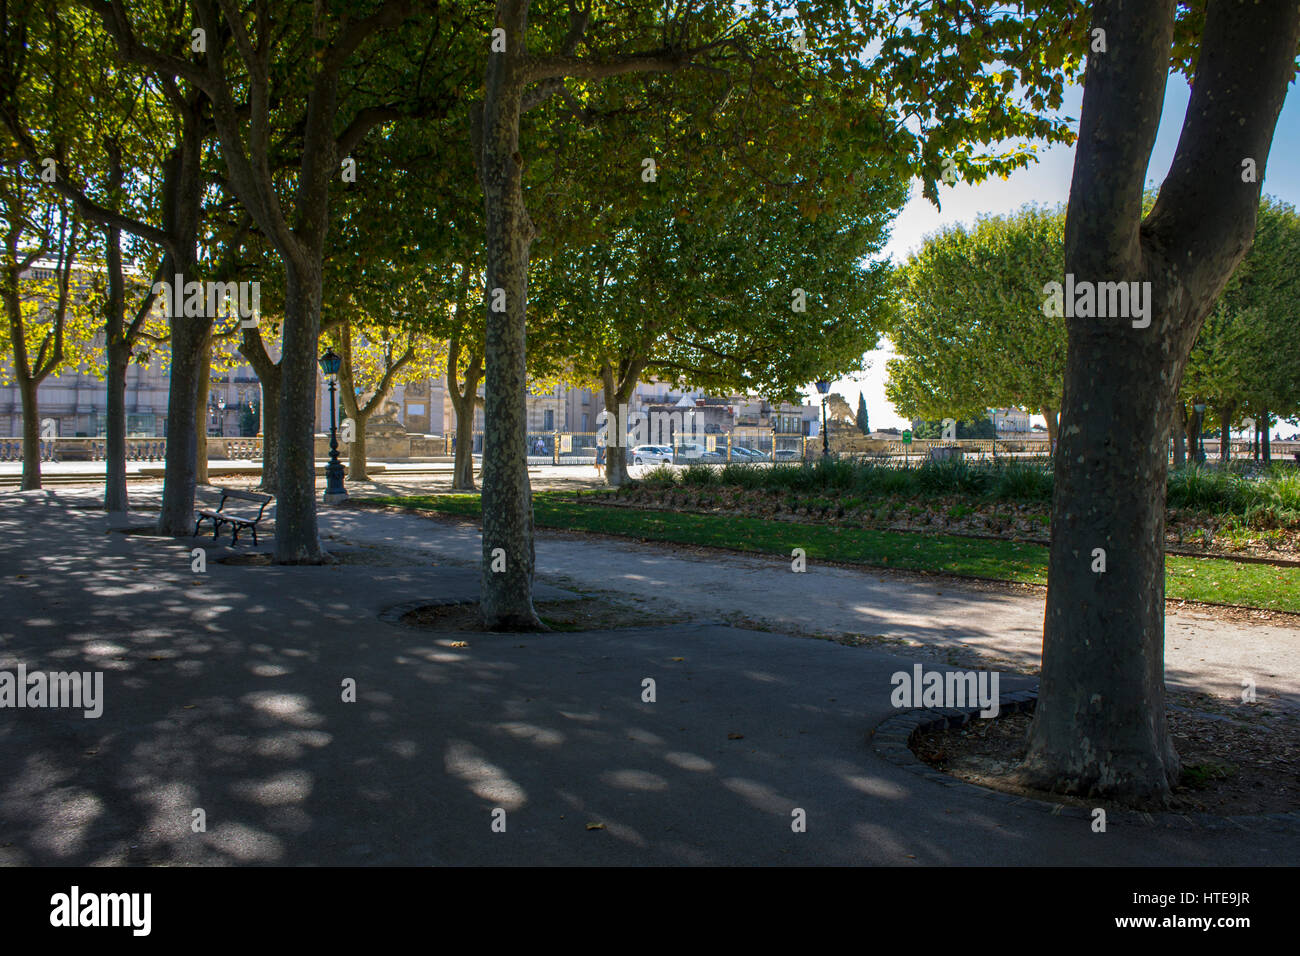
x=548 y=420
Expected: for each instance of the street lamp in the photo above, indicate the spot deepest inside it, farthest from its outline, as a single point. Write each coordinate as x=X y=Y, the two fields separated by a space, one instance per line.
x=334 y=490
x=824 y=388
x=221 y=404
x=1199 y=408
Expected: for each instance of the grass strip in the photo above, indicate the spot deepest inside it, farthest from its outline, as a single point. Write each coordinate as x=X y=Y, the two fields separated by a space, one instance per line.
x=1210 y=580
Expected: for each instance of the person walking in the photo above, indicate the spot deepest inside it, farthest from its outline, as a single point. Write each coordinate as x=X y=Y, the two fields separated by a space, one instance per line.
x=600 y=456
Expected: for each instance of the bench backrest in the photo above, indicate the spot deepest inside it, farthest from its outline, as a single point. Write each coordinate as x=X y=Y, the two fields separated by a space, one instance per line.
x=247 y=495
x=212 y=493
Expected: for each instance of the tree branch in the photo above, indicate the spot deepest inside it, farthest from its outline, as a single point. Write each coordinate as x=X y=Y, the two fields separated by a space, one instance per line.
x=1246 y=62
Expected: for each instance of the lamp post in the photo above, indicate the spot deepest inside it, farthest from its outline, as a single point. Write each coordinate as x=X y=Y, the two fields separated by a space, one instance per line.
x=334 y=490
x=1199 y=408
x=221 y=404
x=824 y=388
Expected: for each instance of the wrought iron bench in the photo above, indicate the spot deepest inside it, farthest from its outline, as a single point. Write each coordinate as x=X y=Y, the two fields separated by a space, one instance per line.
x=237 y=521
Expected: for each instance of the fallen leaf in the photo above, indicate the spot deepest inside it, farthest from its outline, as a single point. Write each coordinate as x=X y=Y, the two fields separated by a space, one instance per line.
x=735 y=736
x=460 y=643
x=595 y=826
x=679 y=658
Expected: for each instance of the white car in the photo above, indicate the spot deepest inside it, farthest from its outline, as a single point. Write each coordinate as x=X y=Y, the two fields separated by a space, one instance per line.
x=652 y=455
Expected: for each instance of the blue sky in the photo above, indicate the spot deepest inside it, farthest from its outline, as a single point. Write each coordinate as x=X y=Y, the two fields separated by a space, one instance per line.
x=1048 y=182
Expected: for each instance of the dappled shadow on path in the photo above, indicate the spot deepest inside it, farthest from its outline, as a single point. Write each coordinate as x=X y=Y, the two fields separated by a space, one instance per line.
x=227 y=692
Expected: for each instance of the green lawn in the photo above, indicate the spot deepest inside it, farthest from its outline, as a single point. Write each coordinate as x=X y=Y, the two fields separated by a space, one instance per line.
x=1211 y=580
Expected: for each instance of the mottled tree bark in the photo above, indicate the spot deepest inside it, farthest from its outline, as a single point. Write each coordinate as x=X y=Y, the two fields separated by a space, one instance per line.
x=120 y=337
x=508 y=556
x=116 y=500
x=27 y=371
x=253 y=349
x=464 y=401
x=180 y=468
x=182 y=210
x=117 y=347
x=297 y=539
x=1100 y=725
x=27 y=390
x=204 y=390
x=1052 y=417
x=618 y=386
x=350 y=407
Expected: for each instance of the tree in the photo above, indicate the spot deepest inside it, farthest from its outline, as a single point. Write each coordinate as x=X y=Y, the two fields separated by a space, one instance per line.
x=515 y=81
x=344 y=83
x=971 y=333
x=377 y=355
x=425 y=269
x=43 y=312
x=759 y=292
x=864 y=425
x=67 y=41
x=964 y=429
x=1243 y=358
x=464 y=373
x=1100 y=726
x=940 y=113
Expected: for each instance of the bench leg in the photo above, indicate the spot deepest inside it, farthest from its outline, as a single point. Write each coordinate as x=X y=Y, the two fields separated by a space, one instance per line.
x=234 y=533
x=254 y=530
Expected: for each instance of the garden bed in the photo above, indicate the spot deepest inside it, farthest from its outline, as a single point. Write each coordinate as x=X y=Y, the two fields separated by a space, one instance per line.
x=1211 y=515
x=1244 y=760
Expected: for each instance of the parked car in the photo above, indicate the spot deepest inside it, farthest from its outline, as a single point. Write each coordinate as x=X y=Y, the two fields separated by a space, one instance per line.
x=741 y=453
x=689 y=451
x=652 y=455
x=787 y=454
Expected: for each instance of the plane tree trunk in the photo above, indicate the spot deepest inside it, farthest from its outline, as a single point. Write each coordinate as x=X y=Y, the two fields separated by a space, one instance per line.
x=182 y=211
x=201 y=418
x=1052 y=417
x=30 y=371
x=464 y=401
x=1100 y=727
x=297 y=538
x=619 y=384
x=508 y=557
x=253 y=349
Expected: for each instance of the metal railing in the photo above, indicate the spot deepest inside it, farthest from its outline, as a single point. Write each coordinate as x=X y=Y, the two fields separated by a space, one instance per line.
x=742 y=445
x=137 y=449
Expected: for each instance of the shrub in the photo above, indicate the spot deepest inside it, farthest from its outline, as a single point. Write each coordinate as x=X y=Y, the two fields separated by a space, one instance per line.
x=659 y=477
x=699 y=476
